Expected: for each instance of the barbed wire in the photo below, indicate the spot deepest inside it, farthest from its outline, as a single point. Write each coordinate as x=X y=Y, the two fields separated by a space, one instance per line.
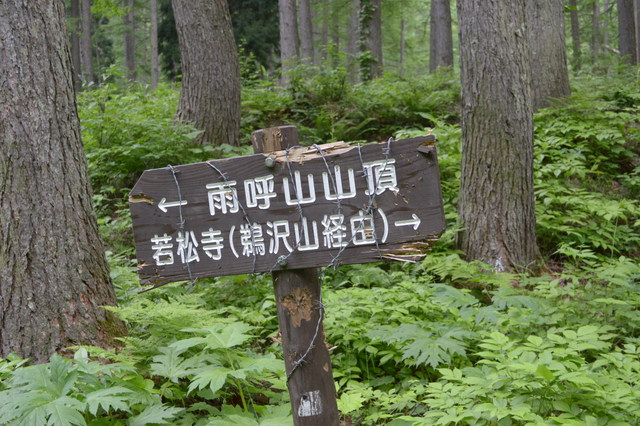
x=282 y=260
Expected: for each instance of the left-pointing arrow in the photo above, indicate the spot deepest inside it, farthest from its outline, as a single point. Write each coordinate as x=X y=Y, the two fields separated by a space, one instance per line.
x=163 y=204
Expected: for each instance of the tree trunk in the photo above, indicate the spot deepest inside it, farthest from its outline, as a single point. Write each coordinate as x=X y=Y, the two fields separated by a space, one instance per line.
x=627 y=31
x=545 y=29
x=130 y=40
x=636 y=6
x=210 y=94
x=288 y=36
x=352 y=45
x=375 y=41
x=75 y=44
x=596 y=39
x=575 y=34
x=334 y=51
x=325 y=28
x=54 y=278
x=496 y=206
x=370 y=39
x=86 y=52
x=402 y=46
x=306 y=32
x=155 y=62
x=441 y=38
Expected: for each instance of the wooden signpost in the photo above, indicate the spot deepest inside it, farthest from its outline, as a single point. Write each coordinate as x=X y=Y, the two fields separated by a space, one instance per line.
x=288 y=210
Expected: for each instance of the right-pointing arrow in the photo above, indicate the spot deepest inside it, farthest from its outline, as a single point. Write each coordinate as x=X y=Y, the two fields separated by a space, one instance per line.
x=415 y=222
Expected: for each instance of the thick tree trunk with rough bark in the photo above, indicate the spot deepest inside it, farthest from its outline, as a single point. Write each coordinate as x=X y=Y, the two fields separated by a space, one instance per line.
x=549 y=74
x=86 y=48
x=210 y=94
x=627 y=31
x=441 y=38
x=575 y=34
x=306 y=32
x=54 y=276
x=288 y=16
x=130 y=40
x=496 y=206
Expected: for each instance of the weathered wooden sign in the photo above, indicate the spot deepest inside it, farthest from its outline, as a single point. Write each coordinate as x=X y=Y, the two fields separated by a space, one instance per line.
x=306 y=207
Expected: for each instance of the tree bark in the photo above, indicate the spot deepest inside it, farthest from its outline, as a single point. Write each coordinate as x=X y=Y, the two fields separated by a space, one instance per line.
x=627 y=31
x=370 y=39
x=130 y=40
x=575 y=34
x=545 y=25
x=496 y=206
x=375 y=41
x=75 y=44
x=636 y=5
x=441 y=38
x=54 y=277
x=288 y=36
x=402 y=46
x=596 y=39
x=352 y=44
x=325 y=28
x=306 y=32
x=155 y=60
x=86 y=52
x=210 y=94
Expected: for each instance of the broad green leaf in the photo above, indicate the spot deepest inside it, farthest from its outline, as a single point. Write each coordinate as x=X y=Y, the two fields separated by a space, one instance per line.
x=155 y=414
x=109 y=398
x=214 y=378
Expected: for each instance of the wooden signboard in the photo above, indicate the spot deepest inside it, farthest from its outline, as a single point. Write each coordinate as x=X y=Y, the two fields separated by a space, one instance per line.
x=305 y=207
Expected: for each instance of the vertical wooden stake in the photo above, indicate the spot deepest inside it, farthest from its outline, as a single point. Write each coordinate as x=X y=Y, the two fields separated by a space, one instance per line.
x=311 y=385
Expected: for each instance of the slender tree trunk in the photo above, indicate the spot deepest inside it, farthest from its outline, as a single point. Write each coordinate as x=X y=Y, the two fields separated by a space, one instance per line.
x=210 y=94
x=325 y=28
x=496 y=206
x=375 y=42
x=627 y=31
x=86 y=47
x=288 y=36
x=441 y=38
x=130 y=40
x=370 y=39
x=54 y=278
x=636 y=6
x=306 y=32
x=75 y=44
x=335 y=35
x=155 y=60
x=402 y=46
x=545 y=24
x=354 y=36
x=596 y=38
x=575 y=34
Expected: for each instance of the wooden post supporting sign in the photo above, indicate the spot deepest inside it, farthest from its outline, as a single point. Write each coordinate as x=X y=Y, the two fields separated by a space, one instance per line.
x=300 y=313
x=289 y=210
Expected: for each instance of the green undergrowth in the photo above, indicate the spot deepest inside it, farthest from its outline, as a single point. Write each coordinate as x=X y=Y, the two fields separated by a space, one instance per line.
x=443 y=341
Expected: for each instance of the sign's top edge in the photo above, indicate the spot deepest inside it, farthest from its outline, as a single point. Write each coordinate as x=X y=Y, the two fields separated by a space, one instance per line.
x=305 y=153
